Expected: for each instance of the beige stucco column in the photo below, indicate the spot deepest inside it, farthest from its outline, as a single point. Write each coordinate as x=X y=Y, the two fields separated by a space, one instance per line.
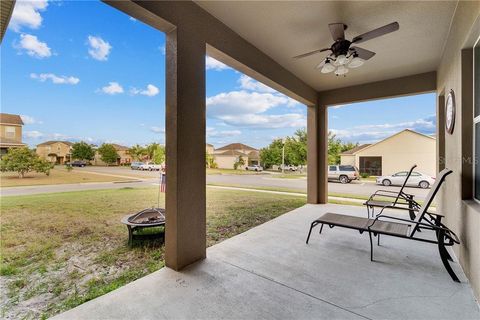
x=317 y=154
x=185 y=240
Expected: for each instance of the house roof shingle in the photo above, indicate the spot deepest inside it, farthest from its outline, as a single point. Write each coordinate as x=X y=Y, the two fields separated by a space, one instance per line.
x=46 y=143
x=231 y=153
x=11 y=119
x=119 y=147
x=356 y=149
x=236 y=146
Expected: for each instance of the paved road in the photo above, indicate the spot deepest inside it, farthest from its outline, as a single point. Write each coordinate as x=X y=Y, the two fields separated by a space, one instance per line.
x=148 y=178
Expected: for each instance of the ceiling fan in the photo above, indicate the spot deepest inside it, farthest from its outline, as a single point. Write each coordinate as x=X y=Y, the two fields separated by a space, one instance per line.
x=343 y=55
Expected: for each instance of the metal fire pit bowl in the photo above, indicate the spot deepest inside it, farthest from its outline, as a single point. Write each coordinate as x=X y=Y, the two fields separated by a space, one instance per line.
x=148 y=218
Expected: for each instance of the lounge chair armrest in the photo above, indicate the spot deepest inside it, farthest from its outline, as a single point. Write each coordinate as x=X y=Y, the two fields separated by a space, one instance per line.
x=449 y=233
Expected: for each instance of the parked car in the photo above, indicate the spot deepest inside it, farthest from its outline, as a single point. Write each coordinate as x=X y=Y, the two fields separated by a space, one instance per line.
x=136 y=165
x=78 y=163
x=343 y=173
x=287 y=167
x=416 y=179
x=255 y=167
x=150 y=167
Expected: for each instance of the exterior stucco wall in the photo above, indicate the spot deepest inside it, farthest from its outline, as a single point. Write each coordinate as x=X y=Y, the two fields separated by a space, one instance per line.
x=18 y=132
x=401 y=151
x=226 y=162
x=348 y=160
x=462 y=215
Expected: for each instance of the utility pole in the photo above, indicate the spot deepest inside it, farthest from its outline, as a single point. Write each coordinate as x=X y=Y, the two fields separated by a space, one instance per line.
x=283 y=155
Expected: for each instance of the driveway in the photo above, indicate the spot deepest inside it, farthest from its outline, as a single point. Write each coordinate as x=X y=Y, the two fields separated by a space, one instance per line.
x=148 y=178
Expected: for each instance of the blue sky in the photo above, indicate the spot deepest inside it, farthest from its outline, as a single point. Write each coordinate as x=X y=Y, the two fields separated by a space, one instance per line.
x=81 y=70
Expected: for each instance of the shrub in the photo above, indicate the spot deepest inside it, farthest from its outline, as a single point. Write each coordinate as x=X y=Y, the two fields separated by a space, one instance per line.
x=364 y=175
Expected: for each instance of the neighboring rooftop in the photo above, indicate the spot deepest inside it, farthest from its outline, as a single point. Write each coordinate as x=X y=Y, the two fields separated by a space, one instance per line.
x=119 y=147
x=46 y=143
x=8 y=118
x=236 y=146
x=356 y=149
x=231 y=153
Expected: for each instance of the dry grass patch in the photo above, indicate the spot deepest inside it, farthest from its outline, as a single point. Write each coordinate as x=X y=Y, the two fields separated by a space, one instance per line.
x=57 y=176
x=60 y=250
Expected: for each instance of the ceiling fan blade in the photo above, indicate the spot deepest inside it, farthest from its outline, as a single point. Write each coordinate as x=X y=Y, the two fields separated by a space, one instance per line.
x=363 y=53
x=394 y=26
x=337 y=30
x=310 y=53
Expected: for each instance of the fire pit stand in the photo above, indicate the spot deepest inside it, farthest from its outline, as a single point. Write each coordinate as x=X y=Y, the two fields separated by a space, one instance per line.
x=148 y=218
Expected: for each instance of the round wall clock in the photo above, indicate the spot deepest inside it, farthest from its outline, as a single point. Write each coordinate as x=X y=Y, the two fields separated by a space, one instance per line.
x=450 y=111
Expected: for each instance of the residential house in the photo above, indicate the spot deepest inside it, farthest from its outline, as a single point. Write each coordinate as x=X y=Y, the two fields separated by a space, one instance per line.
x=124 y=157
x=395 y=153
x=58 y=152
x=10 y=132
x=228 y=155
x=209 y=148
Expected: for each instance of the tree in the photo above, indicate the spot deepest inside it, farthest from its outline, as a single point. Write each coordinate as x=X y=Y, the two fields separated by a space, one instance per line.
x=239 y=163
x=43 y=166
x=159 y=155
x=296 y=148
x=82 y=151
x=210 y=161
x=137 y=152
x=22 y=161
x=108 y=153
x=336 y=146
x=150 y=150
x=272 y=155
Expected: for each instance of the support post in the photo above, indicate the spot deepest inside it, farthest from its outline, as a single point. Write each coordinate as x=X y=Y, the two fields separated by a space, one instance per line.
x=317 y=155
x=185 y=238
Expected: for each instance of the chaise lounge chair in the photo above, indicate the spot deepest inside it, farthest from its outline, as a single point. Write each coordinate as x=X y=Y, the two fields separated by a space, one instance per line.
x=401 y=228
x=393 y=200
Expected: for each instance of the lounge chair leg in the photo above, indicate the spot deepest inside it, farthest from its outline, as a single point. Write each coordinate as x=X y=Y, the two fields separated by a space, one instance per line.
x=444 y=256
x=314 y=223
x=371 y=245
x=321 y=228
x=378 y=240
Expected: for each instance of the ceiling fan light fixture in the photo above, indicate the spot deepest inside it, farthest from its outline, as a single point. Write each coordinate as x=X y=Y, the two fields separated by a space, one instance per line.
x=342 y=59
x=327 y=67
x=356 y=62
x=341 y=70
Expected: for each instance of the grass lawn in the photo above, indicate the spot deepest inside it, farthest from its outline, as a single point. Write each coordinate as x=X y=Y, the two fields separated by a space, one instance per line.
x=57 y=176
x=60 y=250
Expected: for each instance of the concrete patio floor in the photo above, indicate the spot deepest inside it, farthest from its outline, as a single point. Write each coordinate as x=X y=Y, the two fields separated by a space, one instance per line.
x=269 y=272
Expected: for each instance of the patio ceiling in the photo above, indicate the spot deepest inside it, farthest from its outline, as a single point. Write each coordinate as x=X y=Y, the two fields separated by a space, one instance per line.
x=285 y=29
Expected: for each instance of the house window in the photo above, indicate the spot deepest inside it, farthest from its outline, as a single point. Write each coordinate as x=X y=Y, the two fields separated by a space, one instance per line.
x=10 y=132
x=476 y=120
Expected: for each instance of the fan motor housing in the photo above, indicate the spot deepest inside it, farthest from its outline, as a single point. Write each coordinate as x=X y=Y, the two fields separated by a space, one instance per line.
x=340 y=47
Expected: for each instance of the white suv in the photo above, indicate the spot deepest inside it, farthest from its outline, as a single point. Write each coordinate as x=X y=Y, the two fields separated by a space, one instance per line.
x=343 y=173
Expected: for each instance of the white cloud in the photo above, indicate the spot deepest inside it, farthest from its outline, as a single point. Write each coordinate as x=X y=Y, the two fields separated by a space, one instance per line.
x=150 y=91
x=248 y=83
x=33 y=46
x=247 y=109
x=99 y=48
x=157 y=130
x=162 y=49
x=375 y=132
x=112 y=88
x=266 y=121
x=338 y=106
x=214 y=133
x=32 y=134
x=30 y=120
x=212 y=64
x=27 y=14
x=132 y=19
x=242 y=102
x=54 y=78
